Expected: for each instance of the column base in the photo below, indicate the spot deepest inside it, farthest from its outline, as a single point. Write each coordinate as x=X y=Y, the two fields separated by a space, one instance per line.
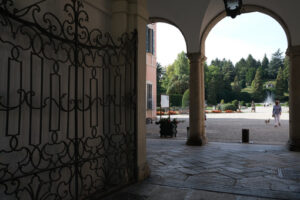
x=143 y=172
x=196 y=141
x=294 y=145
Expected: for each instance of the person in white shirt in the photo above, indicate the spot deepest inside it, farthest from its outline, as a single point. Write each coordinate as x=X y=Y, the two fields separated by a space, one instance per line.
x=276 y=113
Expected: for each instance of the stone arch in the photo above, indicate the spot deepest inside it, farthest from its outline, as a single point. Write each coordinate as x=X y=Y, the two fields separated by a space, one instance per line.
x=245 y=9
x=160 y=19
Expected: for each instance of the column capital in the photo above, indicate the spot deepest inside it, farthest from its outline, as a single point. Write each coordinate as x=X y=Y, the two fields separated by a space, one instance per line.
x=196 y=57
x=293 y=51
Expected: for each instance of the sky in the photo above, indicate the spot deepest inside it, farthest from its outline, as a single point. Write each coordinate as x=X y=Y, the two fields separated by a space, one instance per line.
x=253 y=33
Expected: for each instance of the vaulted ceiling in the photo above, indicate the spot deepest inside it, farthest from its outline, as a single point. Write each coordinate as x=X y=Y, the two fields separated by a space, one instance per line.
x=196 y=18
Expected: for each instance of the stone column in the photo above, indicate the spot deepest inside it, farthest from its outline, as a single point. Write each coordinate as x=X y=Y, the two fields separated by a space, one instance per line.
x=127 y=16
x=197 y=100
x=138 y=19
x=119 y=19
x=294 y=89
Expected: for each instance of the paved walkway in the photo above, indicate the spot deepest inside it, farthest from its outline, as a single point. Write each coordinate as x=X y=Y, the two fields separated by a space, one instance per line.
x=224 y=169
x=217 y=171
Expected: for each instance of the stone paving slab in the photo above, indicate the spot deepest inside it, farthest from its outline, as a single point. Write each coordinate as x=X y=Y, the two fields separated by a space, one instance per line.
x=217 y=171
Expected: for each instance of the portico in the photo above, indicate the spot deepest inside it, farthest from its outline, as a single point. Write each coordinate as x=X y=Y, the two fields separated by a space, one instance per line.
x=201 y=18
x=72 y=97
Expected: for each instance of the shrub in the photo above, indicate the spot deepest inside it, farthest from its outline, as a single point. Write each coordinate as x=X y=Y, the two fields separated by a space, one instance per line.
x=228 y=107
x=248 y=104
x=235 y=103
x=242 y=103
x=175 y=99
x=186 y=99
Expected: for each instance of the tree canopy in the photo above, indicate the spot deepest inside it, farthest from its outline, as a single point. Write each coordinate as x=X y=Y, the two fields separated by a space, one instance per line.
x=244 y=81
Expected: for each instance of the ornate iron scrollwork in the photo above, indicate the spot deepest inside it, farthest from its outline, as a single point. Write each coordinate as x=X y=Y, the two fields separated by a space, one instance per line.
x=67 y=104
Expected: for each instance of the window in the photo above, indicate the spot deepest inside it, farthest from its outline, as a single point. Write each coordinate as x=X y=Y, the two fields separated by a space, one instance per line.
x=149 y=96
x=150 y=40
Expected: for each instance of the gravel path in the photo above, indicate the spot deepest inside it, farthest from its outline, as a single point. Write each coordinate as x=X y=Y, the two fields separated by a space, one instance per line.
x=227 y=127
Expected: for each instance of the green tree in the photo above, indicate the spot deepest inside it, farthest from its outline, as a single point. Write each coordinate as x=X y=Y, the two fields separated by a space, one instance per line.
x=250 y=76
x=265 y=65
x=241 y=70
x=286 y=74
x=181 y=64
x=177 y=79
x=275 y=63
x=228 y=70
x=212 y=92
x=214 y=77
x=168 y=77
x=216 y=62
x=236 y=85
x=178 y=85
x=257 y=86
x=251 y=62
x=280 y=85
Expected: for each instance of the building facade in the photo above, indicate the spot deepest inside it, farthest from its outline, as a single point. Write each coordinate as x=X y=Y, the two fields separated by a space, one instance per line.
x=151 y=71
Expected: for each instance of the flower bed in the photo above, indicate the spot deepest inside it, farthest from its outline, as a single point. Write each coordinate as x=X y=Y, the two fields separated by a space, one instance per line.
x=160 y=113
x=216 y=111
x=228 y=111
x=172 y=112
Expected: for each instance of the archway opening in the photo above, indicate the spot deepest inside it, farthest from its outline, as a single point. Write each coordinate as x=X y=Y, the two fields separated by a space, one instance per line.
x=168 y=67
x=246 y=72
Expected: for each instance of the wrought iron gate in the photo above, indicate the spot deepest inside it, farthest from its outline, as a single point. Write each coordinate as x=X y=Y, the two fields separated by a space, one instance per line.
x=67 y=103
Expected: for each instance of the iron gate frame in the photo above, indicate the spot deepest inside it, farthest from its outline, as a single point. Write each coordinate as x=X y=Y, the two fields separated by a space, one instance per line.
x=71 y=31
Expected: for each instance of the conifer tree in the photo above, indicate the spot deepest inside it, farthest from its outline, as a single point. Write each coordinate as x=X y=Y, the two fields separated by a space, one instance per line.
x=275 y=63
x=280 y=85
x=236 y=85
x=257 y=86
x=264 y=65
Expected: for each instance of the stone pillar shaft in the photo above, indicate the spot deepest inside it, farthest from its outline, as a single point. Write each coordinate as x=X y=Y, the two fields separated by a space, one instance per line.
x=129 y=15
x=294 y=99
x=197 y=100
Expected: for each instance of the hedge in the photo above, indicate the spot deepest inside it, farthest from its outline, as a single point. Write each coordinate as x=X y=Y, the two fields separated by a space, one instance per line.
x=228 y=107
x=175 y=100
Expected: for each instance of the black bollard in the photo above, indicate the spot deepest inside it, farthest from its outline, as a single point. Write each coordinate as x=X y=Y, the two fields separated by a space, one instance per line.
x=245 y=135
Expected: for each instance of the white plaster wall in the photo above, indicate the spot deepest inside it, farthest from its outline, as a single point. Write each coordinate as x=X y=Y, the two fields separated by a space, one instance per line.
x=100 y=13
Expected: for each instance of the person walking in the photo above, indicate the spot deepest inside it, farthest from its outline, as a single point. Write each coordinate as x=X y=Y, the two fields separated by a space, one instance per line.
x=276 y=113
x=252 y=106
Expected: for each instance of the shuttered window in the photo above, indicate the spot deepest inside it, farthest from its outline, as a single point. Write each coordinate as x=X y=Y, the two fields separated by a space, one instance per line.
x=150 y=40
x=149 y=96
